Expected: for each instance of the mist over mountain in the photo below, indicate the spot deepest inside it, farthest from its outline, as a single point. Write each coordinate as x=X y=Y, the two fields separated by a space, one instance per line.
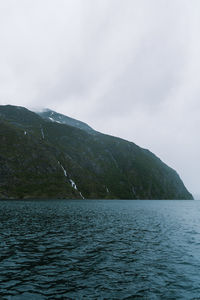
x=53 y=116
x=49 y=155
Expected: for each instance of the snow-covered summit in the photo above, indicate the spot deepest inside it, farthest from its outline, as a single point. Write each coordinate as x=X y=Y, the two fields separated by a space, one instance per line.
x=53 y=116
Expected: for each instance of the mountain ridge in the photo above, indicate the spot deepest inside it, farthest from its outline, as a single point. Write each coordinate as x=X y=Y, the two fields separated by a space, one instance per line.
x=53 y=116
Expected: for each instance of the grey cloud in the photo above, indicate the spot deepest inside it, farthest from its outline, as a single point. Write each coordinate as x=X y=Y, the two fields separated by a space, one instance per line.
x=129 y=68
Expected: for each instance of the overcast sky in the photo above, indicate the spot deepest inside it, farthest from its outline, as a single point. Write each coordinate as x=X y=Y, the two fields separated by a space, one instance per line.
x=130 y=68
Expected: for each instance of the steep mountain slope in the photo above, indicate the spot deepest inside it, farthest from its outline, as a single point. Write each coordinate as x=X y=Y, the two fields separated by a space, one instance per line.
x=42 y=158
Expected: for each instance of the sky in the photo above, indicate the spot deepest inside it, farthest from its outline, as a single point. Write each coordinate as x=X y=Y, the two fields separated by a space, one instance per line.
x=128 y=68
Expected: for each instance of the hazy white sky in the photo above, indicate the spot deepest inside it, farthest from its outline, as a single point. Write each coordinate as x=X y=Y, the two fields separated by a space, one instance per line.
x=129 y=68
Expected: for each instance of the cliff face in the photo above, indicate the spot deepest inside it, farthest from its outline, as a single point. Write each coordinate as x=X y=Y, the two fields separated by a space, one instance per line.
x=53 y=156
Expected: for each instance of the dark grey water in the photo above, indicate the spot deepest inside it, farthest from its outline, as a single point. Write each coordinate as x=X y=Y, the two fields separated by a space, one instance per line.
x=99 y=249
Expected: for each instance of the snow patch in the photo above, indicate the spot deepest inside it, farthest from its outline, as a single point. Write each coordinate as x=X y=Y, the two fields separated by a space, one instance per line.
x=64 y=171
x=42 y=132
x=133 y=190
x=81 y=195
x=73 y=184
x=52 y=120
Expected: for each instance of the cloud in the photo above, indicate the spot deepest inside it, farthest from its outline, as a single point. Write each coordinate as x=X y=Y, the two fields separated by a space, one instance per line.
x=129 y=68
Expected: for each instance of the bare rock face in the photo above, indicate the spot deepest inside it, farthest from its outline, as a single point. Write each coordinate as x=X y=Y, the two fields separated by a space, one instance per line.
x=53 y=156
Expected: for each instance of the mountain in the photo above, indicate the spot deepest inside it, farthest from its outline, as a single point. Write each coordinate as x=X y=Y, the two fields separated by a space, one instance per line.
x=49 y=155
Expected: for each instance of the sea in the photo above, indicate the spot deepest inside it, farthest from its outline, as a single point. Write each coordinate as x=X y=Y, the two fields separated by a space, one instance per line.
x=99 y=249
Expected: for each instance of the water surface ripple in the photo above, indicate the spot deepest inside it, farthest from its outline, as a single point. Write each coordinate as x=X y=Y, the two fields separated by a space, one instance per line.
x=105 y=249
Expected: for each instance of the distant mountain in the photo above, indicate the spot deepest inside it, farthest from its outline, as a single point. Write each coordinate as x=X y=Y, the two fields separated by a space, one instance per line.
x=49 y=155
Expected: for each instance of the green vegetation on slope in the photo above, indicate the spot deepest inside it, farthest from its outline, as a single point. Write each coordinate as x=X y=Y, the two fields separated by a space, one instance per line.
x=44 y=159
